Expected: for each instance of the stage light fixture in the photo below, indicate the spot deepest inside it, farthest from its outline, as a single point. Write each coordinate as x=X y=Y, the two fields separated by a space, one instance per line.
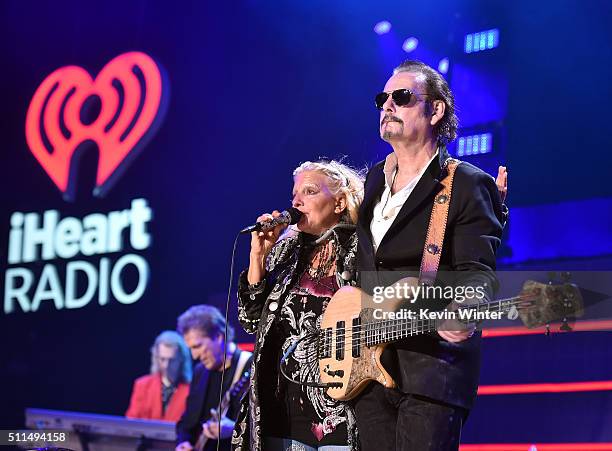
x=410 y=44
x=474 y=144
x=482 y=40
x=443 y=66
x=382 y=27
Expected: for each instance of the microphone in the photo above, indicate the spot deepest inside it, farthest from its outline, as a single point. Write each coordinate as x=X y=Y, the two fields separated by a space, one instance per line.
x=289 y=216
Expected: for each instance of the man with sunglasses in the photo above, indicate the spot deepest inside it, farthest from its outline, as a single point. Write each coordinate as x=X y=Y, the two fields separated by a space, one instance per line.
x=436 y=374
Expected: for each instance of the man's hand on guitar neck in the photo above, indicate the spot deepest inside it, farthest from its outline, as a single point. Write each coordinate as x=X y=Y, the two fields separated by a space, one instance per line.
x=455 y=331
x=210 y=429
x=456 y=336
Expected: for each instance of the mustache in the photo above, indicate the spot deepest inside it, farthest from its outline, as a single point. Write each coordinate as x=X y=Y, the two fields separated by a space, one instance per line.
x=390 y=118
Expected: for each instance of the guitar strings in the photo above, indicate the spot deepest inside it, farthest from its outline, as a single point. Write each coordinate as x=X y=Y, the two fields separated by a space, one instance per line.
x=384 y=329
x=511 y=301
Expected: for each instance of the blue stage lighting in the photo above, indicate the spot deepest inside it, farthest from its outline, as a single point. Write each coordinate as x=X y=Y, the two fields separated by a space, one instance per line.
x=410 y=44
x=443 y=66
x=483 y=40
x=382 y=27
x=474 y=144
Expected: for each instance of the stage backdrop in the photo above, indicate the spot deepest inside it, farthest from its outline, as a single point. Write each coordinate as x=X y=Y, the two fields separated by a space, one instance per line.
x=139 y=137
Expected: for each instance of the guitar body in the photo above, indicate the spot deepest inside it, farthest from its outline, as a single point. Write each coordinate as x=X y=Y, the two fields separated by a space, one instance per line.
x=352 y=363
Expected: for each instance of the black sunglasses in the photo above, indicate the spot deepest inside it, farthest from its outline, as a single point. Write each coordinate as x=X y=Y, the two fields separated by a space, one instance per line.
x=401 y=97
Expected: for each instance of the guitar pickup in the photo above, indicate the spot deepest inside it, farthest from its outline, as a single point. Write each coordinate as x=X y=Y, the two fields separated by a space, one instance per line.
x=356 y=338
x=340 y=334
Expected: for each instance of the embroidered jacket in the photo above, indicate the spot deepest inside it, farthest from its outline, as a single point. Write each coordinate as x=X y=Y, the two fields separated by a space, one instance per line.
x=259 y=307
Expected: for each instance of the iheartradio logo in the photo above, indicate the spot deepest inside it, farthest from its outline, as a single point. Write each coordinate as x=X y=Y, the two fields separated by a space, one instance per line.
x=127 y=99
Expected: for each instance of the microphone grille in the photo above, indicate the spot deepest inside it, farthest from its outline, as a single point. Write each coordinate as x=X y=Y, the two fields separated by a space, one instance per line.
x=294 y=215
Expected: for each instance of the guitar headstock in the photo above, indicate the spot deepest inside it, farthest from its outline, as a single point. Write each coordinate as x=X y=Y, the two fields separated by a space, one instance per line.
x=545 y=303
x=241 y=384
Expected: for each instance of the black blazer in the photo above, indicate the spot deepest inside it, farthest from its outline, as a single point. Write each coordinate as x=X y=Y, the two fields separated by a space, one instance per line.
x=429 y=365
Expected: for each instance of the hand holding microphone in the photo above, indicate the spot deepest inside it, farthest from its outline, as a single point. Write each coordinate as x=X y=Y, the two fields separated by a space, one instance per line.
x=290 y=216
x=264 y=235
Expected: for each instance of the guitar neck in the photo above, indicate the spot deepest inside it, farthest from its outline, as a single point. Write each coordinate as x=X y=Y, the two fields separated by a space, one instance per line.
x=225 y=402
x=387 y=331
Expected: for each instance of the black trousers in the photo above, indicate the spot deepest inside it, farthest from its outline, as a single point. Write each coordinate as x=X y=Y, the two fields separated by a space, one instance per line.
x=389 y=420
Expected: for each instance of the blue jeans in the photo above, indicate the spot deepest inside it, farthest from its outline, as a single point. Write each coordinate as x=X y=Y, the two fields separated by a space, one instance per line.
x=286 y=444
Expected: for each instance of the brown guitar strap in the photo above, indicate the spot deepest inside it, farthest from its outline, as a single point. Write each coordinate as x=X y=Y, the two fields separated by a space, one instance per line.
x=432 y=249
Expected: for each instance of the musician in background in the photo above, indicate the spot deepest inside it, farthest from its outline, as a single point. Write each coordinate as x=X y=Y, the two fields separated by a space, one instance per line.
x=282 y=296
x=161 y=395
x=203 y=328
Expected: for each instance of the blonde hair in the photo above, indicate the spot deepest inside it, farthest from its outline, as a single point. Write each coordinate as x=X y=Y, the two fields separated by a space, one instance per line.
x=342 y=180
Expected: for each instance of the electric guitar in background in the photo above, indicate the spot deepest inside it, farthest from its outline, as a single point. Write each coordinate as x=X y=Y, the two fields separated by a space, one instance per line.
x=236 y=391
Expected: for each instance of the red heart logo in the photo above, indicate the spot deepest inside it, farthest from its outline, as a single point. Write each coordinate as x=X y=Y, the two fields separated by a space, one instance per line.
x=129 y=89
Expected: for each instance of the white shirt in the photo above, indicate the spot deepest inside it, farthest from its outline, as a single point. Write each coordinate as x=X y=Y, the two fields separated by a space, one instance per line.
x=388 y=206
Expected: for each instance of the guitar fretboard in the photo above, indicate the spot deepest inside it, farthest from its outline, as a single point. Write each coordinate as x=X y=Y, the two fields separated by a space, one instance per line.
x=373 y=333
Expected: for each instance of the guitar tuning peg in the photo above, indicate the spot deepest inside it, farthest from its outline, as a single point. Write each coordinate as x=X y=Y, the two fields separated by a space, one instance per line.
x=565 y=276
x=552 y=276
x=547 y=332
x=565 y=327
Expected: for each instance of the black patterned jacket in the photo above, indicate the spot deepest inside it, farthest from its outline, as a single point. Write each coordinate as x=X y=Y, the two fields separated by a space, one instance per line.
x=258 y=308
